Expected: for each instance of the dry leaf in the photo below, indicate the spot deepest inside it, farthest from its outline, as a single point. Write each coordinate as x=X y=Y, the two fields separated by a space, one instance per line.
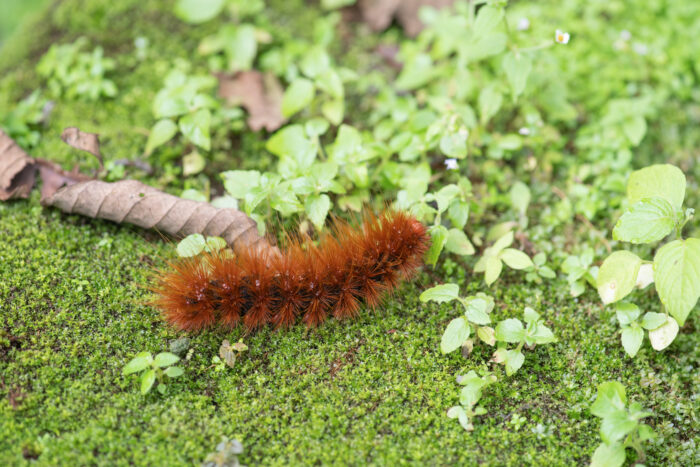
x=259 y=94
x=17 y=170
x=378 y=14
x=84 y=141
x=54 y=177
x=227 y=353
x=133 y=202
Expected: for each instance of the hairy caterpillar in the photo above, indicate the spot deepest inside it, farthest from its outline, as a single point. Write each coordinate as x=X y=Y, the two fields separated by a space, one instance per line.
x=349 y=266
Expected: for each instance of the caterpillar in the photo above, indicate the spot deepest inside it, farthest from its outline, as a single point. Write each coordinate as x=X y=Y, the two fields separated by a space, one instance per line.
x=349 y=266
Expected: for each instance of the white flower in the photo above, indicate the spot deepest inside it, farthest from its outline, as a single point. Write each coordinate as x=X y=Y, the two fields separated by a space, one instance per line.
x=625 y=35
x=524 y=131
x=561 y=37
x=641 y=49
x=523 y=24
x=451 y=164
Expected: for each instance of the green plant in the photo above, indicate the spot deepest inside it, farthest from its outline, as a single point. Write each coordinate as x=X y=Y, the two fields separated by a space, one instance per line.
x=23 y=122
x=153 y=369
x=469 y=397
x=226 y=454
x=655 y=195
x=620 y=427
x=475 y=319
x=491 y=263
x=72 y=73
x=579 y=271
x=184 y=104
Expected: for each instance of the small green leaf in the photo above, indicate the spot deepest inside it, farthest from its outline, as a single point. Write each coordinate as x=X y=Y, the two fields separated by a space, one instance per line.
x=608 y=455
x=438 y=238
x=493 y=269
x=530 y=315
x=514 y=359
x=476 y=311
x=174 y=371
x=677 y=276
x=628 y=312
x=161 y=133
x=635 y=128
x=298 y=95
x=611 y=399
x=239 y=183
x=487 y=335
x=503 y=242
x=164 y=359
x=458 y=243
x=517 y=68
x=191 y=245
x=454 y=143
x=193 y=163
x=616 y=426
x=456 y=333
x=440 y=293
x=520 y=197
x=317 y=207
x=140 y=362
x=215 y=244
x=617 y=276
x=195 y=127
x=147 y=381
x=652 y=320
x=632 y=338
x=515 y=259
x=490 y=101
x=487 y=19
x=647 y=221
x=657 y=181
x=198 y=11
x=510 y=330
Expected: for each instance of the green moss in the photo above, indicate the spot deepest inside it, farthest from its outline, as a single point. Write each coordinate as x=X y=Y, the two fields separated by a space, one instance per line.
x=374 y=390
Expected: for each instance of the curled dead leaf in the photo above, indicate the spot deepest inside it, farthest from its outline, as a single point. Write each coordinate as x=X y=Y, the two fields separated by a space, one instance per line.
x=259 y=94
x=378 y=14
x=84 y=141
x=17 y=170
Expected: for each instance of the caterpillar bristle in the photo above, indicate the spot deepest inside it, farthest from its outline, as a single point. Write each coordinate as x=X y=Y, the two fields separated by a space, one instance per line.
x=349 y=266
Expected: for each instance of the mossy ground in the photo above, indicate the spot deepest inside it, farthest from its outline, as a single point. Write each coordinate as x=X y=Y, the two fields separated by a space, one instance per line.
x=375 y=390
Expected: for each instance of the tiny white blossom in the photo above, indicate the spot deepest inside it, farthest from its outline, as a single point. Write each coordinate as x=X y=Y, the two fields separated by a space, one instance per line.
x=451 y=164
x=562 y=37
x=641 y=49
x=524 y=131
x=523 y=24
x=625 y=35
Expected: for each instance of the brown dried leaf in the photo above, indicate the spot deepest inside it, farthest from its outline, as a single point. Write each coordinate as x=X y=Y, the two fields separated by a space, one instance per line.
x=84 y=141
x=227 y=353
x=133 y=202
x=378 y=14
x=17 y=170
x=260 y=94
x=54 y=177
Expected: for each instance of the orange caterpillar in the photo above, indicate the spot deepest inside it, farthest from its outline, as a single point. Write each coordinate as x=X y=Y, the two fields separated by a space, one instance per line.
x=348 y=267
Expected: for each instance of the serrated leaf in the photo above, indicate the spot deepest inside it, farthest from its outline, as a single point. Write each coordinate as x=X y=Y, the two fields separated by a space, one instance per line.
x=611 y=398
x=632 y=337
x=515 y=259
x=239 y=183
x=456 y=333
x=317 y=207
x=657 y=181
x=677 y=276
x=510 y=330
x=647 y=221
x=627 y=312
x=487 y=19
x=487 y=335
x=475 y=311
x=617 y=276
x=616 y=426
x=440 y=293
